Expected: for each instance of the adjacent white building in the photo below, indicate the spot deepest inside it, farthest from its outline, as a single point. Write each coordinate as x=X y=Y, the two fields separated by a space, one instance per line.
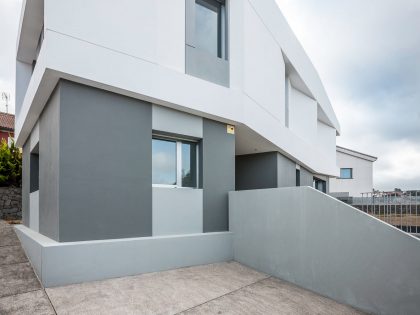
x=356 y=174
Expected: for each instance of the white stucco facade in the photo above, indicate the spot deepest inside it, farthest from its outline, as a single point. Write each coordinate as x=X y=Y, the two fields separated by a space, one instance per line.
x=137 y=48
x=361 y=166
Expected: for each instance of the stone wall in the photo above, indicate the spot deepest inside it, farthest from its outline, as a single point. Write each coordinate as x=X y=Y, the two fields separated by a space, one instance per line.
x=11 y=203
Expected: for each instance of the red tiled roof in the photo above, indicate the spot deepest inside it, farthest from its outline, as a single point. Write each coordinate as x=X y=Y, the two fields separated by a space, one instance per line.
x=7 y=121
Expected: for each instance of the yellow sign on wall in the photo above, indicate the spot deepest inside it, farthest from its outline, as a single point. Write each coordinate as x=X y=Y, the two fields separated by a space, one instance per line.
x=231 y=129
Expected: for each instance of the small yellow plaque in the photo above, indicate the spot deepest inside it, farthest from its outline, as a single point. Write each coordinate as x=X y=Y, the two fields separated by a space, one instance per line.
x=231 y=129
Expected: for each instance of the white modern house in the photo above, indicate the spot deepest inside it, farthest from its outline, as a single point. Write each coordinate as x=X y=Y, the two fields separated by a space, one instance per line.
x=145 y=126
x=137 y=119
x=356 y=174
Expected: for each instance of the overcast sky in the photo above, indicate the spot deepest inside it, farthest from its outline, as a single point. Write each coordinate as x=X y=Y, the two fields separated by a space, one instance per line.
x=368 y=56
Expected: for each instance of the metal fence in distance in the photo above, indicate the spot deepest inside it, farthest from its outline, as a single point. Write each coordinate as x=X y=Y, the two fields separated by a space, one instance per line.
x=398 y=208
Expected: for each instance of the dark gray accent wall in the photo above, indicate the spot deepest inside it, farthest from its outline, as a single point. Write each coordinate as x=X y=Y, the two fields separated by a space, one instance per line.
x=218 y=174
x=306 y=177
x=49 y=134
x=25 y=181
x=256 y=171
x=286 y=171
x=34 y=173
x=268 y=170
x=105 y=165
x=203 y=65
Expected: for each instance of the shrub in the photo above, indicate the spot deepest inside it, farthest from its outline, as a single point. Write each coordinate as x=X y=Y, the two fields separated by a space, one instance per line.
x=10 y=164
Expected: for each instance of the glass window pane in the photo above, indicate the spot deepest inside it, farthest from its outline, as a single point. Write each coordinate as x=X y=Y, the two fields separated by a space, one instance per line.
x=163 y=162
x=189 y=165
x=207 y=27
x=346 y=173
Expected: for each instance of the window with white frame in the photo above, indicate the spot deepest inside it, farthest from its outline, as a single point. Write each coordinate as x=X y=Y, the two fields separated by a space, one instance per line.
x=174 y=163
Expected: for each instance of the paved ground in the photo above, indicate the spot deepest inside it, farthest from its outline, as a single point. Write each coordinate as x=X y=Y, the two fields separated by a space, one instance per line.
x=224 y=288
x=20 y=290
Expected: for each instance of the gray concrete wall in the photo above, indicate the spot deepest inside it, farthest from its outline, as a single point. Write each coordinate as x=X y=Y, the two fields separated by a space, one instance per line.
x=256 y=171
x=25 y=182
x=177 y=211
x=306 y=177
x=62 y=264
x=49 y=134
x=311 y=239
x=105 y=165
x=286 y=172
x=217 y=156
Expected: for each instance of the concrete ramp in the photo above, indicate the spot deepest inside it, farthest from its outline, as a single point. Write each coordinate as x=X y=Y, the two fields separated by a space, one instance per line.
x=315 y=241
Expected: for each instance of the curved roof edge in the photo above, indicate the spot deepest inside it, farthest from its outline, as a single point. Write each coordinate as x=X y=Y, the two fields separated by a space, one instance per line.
x=276 y=23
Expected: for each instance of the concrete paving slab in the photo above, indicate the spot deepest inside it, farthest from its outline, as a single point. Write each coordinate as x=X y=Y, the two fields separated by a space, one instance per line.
x=167 y=292
x=30 y=303
x=12 y=255
x=8 y=236
x=273 y=296
x=17 y=278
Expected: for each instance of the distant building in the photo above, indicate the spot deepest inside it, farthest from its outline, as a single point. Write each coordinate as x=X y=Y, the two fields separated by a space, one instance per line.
x=7 y=126
x=356 y=174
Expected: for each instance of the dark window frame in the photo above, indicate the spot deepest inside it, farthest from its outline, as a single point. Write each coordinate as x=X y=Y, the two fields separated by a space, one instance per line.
x=217 y=6
x=346 y=168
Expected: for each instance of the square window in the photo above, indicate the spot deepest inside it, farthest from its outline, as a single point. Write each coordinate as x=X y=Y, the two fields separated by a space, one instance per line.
x=174 y=163
x=346 y=173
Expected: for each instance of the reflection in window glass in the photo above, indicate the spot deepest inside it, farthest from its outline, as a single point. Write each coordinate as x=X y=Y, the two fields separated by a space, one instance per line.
x=207 y=26
x=189 y=165
x=164 y=162
x=346 y=173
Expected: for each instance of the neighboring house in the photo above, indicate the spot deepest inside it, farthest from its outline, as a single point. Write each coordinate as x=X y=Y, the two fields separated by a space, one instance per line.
x=7 y=126
x=356 y=174
x=137 y=120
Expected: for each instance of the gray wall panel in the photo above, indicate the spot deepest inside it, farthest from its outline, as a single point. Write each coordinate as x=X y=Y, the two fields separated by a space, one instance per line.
x=105 y=165
x=177 y=211
x=218 y=171
x=306 y=177
x=49 y=126
x=25 y=181
x=286 y=170
x=256 y=171
x=203 y=65
x=328 y=247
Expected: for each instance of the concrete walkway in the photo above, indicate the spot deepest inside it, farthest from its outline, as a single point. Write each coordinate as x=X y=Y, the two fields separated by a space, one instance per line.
x=20 y=290
x=223 y=288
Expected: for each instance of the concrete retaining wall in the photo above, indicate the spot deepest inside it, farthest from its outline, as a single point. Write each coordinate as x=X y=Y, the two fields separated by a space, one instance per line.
x=311 y=239
x=11 y=203
x=59 y=264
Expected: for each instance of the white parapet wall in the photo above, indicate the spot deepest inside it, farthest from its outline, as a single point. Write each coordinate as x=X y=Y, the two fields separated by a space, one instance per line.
x=75 y=262
x=315 y=241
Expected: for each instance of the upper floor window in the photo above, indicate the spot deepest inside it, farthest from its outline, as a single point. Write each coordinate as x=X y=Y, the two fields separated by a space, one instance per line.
x=174 y=163
x=210 y=26
x=346 y=173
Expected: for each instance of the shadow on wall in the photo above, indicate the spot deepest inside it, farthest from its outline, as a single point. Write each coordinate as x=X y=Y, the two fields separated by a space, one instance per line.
x=303 y=236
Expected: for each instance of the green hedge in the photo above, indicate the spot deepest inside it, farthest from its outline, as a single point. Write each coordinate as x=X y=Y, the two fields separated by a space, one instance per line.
x=10 y=164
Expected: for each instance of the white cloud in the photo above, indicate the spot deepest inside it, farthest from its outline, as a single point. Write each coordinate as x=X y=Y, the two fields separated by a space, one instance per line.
x=369 y=60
